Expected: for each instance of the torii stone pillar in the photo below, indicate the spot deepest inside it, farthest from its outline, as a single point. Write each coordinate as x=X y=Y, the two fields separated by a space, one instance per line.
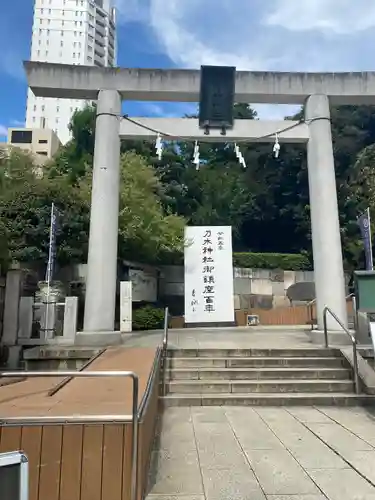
x=326 y=240
x=100 y=303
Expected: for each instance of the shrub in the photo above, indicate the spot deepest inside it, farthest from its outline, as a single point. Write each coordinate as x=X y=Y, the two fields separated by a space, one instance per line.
x=148 y=318
x=289 y=262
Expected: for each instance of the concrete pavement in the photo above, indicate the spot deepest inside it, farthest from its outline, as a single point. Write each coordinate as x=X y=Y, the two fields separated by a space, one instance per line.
x=227 y=453
x=226 y=338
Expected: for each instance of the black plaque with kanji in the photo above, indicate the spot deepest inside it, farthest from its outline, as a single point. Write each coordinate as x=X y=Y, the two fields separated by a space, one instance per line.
x=217 y=96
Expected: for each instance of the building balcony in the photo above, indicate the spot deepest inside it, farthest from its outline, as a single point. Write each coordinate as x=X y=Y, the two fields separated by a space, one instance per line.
x=100 y=30
x=99 y=51
x=99 y=63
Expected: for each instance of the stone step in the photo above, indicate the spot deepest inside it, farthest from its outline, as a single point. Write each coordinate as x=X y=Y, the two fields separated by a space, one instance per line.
x=256 y=386
x=256 y=361
x=291 y=399
x=244 y=353
x=259 y=373
x=49 y=358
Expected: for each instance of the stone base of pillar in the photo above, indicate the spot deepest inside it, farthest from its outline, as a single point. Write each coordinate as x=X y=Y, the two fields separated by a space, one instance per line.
x=13 y=357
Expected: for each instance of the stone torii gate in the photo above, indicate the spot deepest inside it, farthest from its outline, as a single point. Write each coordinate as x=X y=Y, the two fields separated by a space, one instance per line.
x=109 y=86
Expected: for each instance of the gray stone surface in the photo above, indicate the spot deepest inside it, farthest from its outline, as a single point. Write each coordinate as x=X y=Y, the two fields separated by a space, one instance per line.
x=343 y=485
x=251 y=431
x=208 y=415
x=228 y=338
x=363 y=461
x=223 y=453
x=218 y=448
x=279 y=473
x=175 y=473
x=303 y=445
x=317 y=456
x=309 y=415
x=296 y=497
x=338 y=438
x=359 y=421
x=185 y=497
x=221 y=484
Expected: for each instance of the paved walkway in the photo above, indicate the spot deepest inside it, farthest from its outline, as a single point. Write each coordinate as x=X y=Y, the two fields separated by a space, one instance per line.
x=226 y=338
x=264 y=453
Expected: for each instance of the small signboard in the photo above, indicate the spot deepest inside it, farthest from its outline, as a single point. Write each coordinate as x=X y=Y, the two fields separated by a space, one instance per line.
x=126 y=304
x=252 y=320
x=14 y=476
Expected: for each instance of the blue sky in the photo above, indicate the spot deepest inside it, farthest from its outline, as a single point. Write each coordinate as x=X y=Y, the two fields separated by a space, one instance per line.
x=279 y=35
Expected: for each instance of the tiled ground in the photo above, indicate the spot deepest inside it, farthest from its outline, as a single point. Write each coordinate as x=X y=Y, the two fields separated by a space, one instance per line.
x=264 y=453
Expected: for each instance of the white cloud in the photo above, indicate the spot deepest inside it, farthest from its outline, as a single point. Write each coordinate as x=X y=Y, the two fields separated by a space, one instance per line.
x=339 y=16
x=194 y=33
x=153 y=109
x=257 y=34
x=133 y=10
x=168 y=109
x=17 y=123
x=261 y=35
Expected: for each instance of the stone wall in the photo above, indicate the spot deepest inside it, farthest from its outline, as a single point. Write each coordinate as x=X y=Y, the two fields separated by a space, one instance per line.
x=253 y=288
x=264 y=288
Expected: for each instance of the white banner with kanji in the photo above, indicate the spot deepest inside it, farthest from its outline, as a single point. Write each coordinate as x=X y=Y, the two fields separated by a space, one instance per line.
x=208 y=274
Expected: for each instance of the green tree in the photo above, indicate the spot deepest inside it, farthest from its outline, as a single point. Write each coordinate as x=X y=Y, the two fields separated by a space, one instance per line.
x=26 y=197
x=75 y=158
x=4 y=247
x=27 y=193
x=361 y=196
x=268 y=204
x=145 y=230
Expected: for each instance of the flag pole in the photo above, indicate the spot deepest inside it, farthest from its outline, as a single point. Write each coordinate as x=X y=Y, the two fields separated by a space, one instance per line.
x=370 y=237
x=49 y=269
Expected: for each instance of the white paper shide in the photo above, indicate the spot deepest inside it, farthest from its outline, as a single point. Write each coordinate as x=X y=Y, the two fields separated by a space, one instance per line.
x=208 y=274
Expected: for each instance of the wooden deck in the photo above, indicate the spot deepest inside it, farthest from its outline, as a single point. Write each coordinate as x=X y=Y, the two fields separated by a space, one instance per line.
x=70 y=460
x=88 y=396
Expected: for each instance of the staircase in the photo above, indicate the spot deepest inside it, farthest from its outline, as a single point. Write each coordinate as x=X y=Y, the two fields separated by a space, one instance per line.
x=258 y=377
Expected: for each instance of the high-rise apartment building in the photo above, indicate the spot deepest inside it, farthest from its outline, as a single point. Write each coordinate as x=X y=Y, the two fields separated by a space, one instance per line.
x=69 y=32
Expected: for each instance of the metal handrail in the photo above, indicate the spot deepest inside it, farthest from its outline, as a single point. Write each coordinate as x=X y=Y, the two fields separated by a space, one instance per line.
x=165 y=333
x=310 y=304
x=353 y=340
x=165 y=349
x=74 y=374
x=150 y=383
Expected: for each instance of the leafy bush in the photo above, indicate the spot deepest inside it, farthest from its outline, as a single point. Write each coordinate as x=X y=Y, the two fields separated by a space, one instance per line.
x=289 y=262
x=148 y=318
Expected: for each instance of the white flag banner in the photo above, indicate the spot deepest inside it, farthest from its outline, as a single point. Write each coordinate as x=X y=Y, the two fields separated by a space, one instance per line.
x=208 y=275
